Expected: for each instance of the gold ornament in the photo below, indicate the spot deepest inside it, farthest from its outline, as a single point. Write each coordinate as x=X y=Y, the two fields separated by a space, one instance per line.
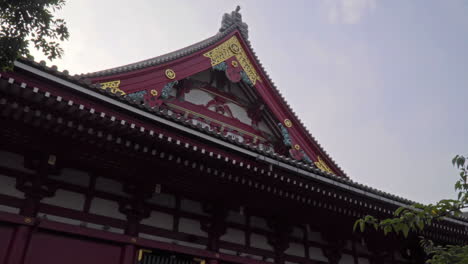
x=322 y=165
x=27 y=220
x=287 y=123
x=231 y=48
x=154 y=92
x=297 y=147
x=113 y=86
x=234 y=64
x=170 y=74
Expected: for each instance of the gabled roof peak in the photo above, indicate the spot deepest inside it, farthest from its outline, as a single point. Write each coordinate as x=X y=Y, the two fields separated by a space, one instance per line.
x=235 y=18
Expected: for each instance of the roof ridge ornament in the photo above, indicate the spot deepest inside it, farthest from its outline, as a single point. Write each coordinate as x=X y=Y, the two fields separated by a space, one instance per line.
x=235 y=18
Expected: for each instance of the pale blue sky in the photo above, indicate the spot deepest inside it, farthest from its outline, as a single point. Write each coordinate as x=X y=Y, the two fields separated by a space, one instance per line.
x=382 y=85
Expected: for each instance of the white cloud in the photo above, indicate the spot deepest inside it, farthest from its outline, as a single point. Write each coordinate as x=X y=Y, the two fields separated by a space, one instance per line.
x=348 y=11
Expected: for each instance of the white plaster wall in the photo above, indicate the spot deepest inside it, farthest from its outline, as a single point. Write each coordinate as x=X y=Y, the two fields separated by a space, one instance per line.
x=346 y=259
x=188 y=244
x=296 y=249
x=59 y=219
x=235 y=217
x=72 y=176
x=259 y=241
x=191 y=226
x=227 y=251
x=198 y=97
x=234 y=236
x=163 y=199
x=363 y=261
x=191 y=206
x=239 y=113
x=13 y=161
x=9 y=209
x=110 y=186
x=157 y=238
x=159 y=219
x=106 y=208
x=67 y=199
x=7 y=187
x=316 y=254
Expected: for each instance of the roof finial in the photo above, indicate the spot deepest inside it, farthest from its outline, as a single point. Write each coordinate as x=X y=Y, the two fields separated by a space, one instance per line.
x=232 y=20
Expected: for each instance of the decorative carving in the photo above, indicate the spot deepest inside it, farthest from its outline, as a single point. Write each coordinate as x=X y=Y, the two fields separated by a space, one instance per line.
x=286 y=138
x=170 y=74
x=113 y=86
x=233 y=48
x=322 y=165
x=137 y=95
x=287 y=123
x=166 y=91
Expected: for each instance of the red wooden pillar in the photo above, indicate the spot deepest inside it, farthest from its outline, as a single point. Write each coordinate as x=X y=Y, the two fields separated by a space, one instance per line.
x=34 y=189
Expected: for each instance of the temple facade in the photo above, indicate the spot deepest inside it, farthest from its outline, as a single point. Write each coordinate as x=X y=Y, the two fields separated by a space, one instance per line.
x=189 y=157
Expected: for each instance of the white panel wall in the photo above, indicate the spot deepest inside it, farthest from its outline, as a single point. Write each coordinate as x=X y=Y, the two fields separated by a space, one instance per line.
x=296 y=249
x=363 y=261
x=67 y=199
x=106 y=208
x=7 y=187
x=234 y=236
x=346 y=259
x=191 y=226
x=159 y=219
x=239 y=113
x=9 y=209
x=316 y=254
x=198 y=97
x=259 y=241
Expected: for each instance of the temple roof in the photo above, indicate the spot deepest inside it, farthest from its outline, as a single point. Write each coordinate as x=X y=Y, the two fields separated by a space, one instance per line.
x=231 y=23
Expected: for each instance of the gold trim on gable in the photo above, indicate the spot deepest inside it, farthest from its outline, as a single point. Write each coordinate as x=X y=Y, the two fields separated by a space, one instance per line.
x=228 y=49
x=113 y=86
x=322 y=165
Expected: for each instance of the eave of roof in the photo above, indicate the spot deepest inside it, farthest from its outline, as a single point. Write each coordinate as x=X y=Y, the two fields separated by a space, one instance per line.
x=300 y=168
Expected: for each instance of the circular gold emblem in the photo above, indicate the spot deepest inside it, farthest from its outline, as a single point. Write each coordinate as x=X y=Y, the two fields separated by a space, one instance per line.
x=235 y=48
x=297 y=147
x=170 y=74
x=27 y=220
x=154 y=92
x=287 y=123
x=234 y=64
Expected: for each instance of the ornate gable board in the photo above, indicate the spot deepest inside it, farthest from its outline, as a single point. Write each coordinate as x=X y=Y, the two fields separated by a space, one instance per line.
x=153 y=84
